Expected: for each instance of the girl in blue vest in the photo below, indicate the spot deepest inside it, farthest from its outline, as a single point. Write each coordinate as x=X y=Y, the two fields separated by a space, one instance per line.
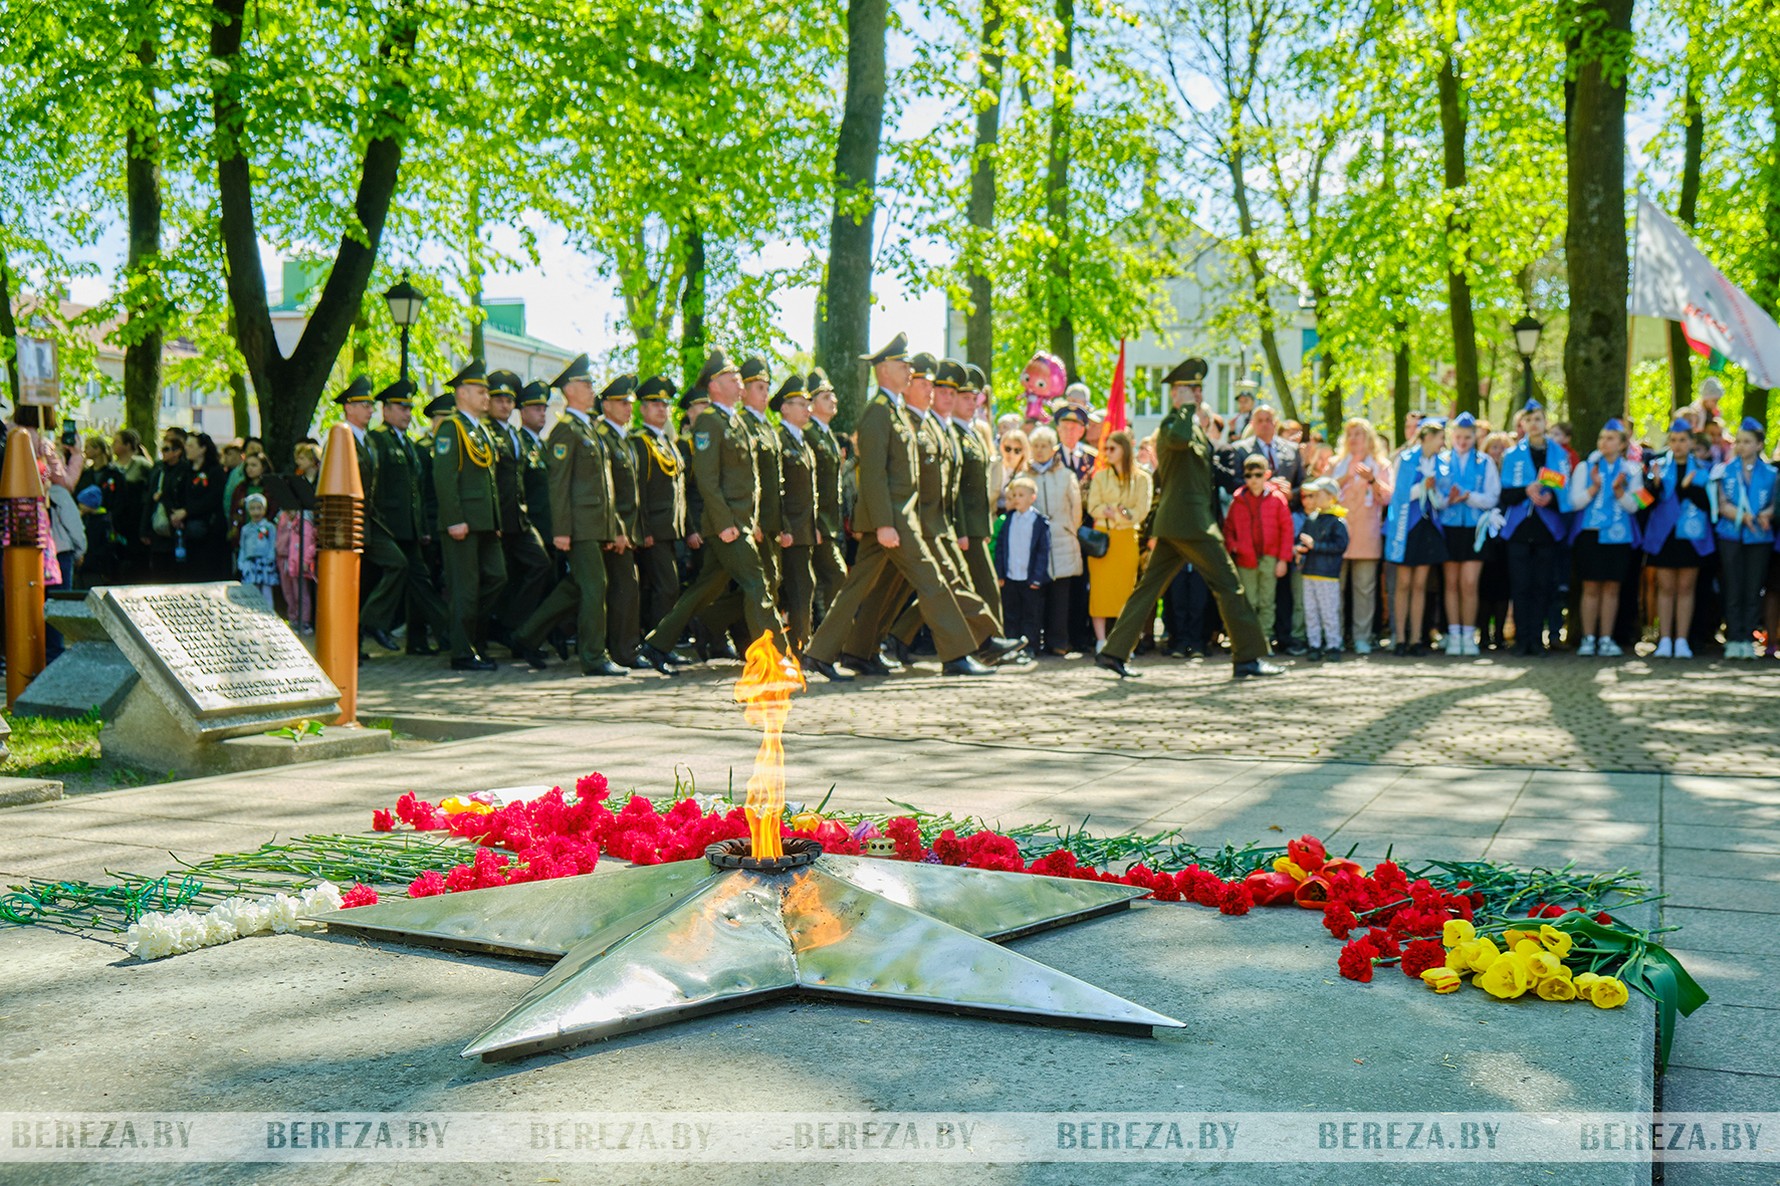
x=1678 y=536
x=1466 y=488
x=1744 y=489
x=1413 y=542
x=1603 y=493
x=1533 y=524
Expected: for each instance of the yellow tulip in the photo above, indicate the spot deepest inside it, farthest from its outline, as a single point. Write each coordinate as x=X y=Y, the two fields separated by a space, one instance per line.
x=1513 y=937
x=1459 y=958
x=1608 y=992
x=1556 y=988
x=1442 y=980
x=1524 y=945
x=1557 y=942
x=1289 y=867
x=1486 y=954
x=1583 y=980
x=1457 y=931
x=1544 y=964
x=1506 y=978
x=453 y=805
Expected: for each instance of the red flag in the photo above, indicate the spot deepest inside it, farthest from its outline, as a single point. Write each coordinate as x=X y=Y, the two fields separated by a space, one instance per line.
x=1115 y=408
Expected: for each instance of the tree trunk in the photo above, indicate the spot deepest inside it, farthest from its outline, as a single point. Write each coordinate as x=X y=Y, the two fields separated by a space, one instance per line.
x=1694 y=142
x=843 y=319
x=979 y=323
x=1400 y=378
x=692 y=307
x=1057 y=188
x=9 y=330
x=1453 y=120
x=144 y=293
x=1235 y=161
x=1595 y=237
x=1333 y=414
x=289 y=389
x=1767 y=279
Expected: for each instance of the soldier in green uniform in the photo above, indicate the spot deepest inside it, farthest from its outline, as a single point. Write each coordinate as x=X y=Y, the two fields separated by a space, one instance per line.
x=797 y=587
x=826 y=557
x=929 y=400
x=661 y=499
x=463 y=474
x=407 y=592
x=891 y=543
x=770 y=530
x=1186 y=532
x=377 y=616
x=437 y=409
x=534 y=407
x=975 y=517
x=584 y=522
x=623 y=604
x=529 y=569
x=725 y=468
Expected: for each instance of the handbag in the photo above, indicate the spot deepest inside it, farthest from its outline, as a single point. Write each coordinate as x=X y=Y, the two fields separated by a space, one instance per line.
x=1094 y=542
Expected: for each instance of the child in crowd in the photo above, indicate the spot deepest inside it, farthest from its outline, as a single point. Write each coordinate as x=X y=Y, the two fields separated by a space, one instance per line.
x=256 y=556
x=1745 y=487
x=1466 y=488
x=1677 y=536
x=1414 y=542
x=1321 y=546
x=1603 y=491
x=1258 y=532
x=1023 y=562
x=296 y=548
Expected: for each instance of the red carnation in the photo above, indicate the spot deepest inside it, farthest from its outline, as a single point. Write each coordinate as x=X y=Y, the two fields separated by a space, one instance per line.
x=1235 y=899
x=1340 y=919
x=1421 y=955
x=591 y=788
x=383 y=821
x=360 y=895
x=1383 y=942
x=949 y=848
x=427 y=885
x=907 y=834
x=1356 y=961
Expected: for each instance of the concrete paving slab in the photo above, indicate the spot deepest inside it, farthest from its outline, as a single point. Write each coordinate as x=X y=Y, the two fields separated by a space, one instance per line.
x=1738 y=931
x=1681 y=837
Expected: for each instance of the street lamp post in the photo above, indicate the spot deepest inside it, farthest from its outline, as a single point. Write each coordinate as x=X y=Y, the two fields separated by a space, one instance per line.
x=1526 y=341
x=404 y=301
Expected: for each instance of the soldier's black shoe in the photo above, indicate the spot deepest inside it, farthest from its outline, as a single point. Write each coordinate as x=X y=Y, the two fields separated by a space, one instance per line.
x=607 y=667
x=638 y=663
x=891 y=663
x=896 y=649
x=1115 y=665
x=827 y=670
x=967 y=665
x=422 y=648
x=997 y=650
x=535 y=658
x=1257 y=667
x=474 y=663
x=653 y=655
x=384 y=639
x=872 y=666
x=680 y=658
x=562 y=647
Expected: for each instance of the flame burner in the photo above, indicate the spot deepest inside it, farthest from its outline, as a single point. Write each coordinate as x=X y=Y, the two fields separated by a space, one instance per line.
x=738 y=854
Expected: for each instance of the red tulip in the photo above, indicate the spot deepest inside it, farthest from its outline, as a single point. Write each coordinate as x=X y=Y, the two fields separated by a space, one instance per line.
x=1269 y=888
x=1312 y=892
x=1336 y=865
x=1308 y=853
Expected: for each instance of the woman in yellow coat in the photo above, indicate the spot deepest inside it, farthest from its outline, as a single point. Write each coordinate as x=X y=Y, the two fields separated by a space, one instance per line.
x=1118 y=500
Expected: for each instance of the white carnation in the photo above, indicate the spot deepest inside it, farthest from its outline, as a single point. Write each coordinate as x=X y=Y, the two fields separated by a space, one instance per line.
x=156 y=934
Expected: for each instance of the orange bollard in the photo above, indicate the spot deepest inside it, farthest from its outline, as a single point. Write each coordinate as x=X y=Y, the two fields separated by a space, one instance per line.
x=21 y=494
x=340 y=538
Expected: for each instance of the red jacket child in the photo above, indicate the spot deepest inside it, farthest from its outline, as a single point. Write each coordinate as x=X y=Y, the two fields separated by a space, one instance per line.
x=1259 y=525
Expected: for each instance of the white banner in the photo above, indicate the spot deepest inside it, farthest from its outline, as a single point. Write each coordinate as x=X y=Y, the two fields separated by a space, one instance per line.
x=961 y=1138
x=1675 y=281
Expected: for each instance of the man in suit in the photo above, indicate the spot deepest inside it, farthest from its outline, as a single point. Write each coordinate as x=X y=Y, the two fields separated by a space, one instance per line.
x=1185 y=530
x=585 y=522
x=397 y=503
x=826 y=557
x=725 y=466
x=661 y=498
x=463 y=475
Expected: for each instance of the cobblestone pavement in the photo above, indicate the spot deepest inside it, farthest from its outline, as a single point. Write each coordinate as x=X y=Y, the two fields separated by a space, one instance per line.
x=1564 y=713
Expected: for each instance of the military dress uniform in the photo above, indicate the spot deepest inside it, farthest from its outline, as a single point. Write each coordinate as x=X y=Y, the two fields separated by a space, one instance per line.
x=439 y=405
x=623 y=604
x=381 y=601
x=529 y=567
x=725 y=467
x=889 y=487
x=826 y=557
x=463 y=475
x=582 y=508
x=661 y=504
x=396 y=501
x=534 y=473
x=975 y=517
x=797 y=463
x=1186 y=531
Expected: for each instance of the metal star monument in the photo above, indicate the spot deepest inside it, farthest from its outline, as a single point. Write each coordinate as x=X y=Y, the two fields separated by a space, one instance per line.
x=654 y=944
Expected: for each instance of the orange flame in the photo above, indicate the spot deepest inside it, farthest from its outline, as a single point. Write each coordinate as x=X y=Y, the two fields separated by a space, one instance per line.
x=768 y=679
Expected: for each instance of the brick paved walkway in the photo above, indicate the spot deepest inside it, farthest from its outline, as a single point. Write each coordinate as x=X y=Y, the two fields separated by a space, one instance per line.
x=1559 y=713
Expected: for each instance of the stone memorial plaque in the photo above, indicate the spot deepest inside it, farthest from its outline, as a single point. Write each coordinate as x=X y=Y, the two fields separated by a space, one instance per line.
x=218 y=659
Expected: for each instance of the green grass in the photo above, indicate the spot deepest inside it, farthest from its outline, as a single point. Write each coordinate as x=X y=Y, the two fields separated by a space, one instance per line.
x=44 y=747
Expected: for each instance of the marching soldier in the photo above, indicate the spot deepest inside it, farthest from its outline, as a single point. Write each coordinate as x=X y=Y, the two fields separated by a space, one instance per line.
x=529 y=570
x=826 y=557
x=584 y=522
x=891 y=544
x=406 y=592
x=1186 y=531
x=377 y=615
x=975 y=515
x=692 y=406
x=463 y=475
x=756 y=388
x=661 y=499
x=797 y=588
x=623 y=612
x=725 y=468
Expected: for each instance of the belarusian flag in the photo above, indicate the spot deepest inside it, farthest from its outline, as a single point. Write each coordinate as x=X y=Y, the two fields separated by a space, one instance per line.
x=1675 y=281
x=1115 y=408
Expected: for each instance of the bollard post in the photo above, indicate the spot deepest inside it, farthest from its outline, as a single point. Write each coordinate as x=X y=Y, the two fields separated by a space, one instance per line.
x=21 y=496
x=340 y=538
